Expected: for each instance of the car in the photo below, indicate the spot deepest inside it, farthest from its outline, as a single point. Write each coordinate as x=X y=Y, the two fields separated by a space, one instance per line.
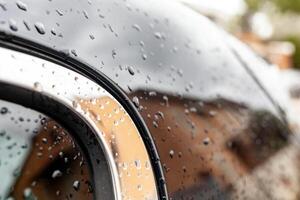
x=128 y=99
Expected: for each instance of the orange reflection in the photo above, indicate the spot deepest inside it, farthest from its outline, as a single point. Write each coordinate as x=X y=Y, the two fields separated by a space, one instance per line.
x=207 y=147
x=135 y=172
x=53 y=151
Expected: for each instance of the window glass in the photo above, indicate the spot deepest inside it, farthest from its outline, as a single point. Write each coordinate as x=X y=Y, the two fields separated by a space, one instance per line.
x=38 y=158
x=219 y=149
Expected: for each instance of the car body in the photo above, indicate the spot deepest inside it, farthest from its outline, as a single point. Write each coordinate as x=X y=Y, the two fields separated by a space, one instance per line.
x=202 y=117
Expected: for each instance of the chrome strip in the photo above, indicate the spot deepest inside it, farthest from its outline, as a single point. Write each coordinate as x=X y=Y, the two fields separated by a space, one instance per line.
x=132 y=173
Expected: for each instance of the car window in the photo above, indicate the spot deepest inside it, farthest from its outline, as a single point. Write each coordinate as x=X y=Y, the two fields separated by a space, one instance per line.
x=39 y=159
x=217 y=149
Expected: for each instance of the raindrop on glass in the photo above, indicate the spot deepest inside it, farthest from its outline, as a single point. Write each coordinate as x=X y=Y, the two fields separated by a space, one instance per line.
x=73 y=52
x=37 y=86
x=26 y=25
x=113 y=53
x=56 y=174
x=144 y=56
x=85 y=14
x=76 y=185
x=3 y=110
x=136 y=101
x=171 y=153
x=131 y=70
x=136 y=27
x=21 y=5
x=157 y=35
x=13 y=25
x=59 y=12
x=206 y=141
x=40 y=28
x=92 y=37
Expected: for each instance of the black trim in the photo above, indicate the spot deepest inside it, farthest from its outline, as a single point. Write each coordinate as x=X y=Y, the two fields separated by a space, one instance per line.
x=47 y=53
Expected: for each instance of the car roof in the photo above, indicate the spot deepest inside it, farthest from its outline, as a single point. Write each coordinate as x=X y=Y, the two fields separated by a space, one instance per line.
x=150 y=45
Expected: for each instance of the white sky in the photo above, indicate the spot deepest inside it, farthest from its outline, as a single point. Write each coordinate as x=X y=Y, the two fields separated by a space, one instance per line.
x=223 y=7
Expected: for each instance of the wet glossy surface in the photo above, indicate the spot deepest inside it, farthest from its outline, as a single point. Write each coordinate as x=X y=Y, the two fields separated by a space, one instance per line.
x=221 y=150
x=108 y=135
x=39 y=159
x=218 y=133
x=141 y=45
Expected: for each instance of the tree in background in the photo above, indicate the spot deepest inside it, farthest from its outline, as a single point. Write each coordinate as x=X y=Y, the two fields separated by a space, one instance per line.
x=284 y=7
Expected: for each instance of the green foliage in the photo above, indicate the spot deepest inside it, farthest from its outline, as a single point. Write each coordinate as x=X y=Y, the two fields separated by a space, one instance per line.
x=283 y=5
x=288 y=5
x=254 y=5
x=296 y=58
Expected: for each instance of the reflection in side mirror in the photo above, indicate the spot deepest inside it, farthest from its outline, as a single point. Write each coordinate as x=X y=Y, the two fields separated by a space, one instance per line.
x=39 y=159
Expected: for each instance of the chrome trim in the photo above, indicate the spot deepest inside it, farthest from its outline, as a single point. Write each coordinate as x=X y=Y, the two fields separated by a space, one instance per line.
x=130 y=165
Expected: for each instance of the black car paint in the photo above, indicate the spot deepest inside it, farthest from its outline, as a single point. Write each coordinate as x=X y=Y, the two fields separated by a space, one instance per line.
x=168 y=54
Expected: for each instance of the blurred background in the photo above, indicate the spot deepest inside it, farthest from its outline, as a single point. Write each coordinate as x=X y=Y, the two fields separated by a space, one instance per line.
x=270 y=27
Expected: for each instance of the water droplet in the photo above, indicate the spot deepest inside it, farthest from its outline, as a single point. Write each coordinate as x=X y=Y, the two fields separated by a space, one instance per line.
x=212 y=113
x=193 y=109
x=136 y=101
x=157 y=35
x=113 y=53
x=171 y=153
x=144 y=57
x=76 y=185
x=137 y=164
x=139 y=187
x=92 y=37
x=53 y=32
x=73 y=52
x=3 y=6
x=206 y=141
x=3 y=111
x=59 y=12
x=38 y=86
x=136 y=27
x=147 y=165
x=85 y=14
x=130 y=70
x=166 y=99
x=26 y=25
x=21 y=5
x=179 y=154
x=155 y=124
x=180 y=72
x=124 y=166
x=40 y=28
x=75 y=104
x=159 y=115
x=56 y=174
x=152 y=93
x=27 y=193
x=13 y=25
x=44 y=140
x=142 y=44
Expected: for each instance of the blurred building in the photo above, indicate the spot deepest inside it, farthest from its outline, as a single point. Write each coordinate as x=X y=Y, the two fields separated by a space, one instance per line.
x=279 y=53
x=255 y=29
